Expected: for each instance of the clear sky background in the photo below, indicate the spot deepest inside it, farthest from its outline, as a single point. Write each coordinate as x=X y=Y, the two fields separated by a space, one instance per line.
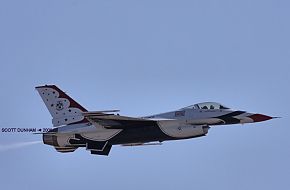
x=146 y=57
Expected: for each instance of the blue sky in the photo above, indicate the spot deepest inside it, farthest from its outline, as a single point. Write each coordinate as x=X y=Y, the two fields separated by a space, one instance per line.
x=146 y=57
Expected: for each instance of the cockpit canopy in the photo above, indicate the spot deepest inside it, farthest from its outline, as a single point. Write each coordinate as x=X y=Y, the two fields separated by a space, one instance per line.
x=207 y=105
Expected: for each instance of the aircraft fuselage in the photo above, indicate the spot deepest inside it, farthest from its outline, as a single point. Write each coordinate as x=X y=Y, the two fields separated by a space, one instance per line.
x=98 y=131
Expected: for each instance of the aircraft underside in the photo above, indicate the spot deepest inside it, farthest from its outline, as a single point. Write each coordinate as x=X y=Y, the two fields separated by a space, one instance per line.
x=128 y=137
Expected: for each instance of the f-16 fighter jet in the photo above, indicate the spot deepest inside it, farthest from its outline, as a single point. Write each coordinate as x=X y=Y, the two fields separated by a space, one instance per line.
x=97 y=131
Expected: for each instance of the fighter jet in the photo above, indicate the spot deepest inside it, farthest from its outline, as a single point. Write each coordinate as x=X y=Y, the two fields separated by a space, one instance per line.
x=97 y=131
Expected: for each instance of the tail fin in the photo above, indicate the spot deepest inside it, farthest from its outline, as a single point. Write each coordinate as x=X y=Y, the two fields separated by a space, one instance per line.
x=63 y=109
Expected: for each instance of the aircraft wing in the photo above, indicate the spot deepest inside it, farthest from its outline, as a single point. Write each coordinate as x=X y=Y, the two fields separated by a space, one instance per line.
x=112 y=121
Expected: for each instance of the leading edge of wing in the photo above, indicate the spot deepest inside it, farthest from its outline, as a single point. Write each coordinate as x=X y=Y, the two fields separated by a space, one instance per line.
x=111 y=121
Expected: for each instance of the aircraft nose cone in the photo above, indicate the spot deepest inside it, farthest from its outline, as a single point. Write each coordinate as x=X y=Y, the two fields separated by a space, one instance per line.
x=260 y=117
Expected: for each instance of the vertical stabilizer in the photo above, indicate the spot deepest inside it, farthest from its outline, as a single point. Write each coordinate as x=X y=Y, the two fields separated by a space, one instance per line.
x=63 y=109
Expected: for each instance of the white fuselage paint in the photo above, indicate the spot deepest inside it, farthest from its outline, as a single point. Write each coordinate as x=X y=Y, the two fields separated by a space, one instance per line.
x=179 y=130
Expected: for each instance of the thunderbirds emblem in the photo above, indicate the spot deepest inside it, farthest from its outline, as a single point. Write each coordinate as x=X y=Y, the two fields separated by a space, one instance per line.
x=59 y=105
